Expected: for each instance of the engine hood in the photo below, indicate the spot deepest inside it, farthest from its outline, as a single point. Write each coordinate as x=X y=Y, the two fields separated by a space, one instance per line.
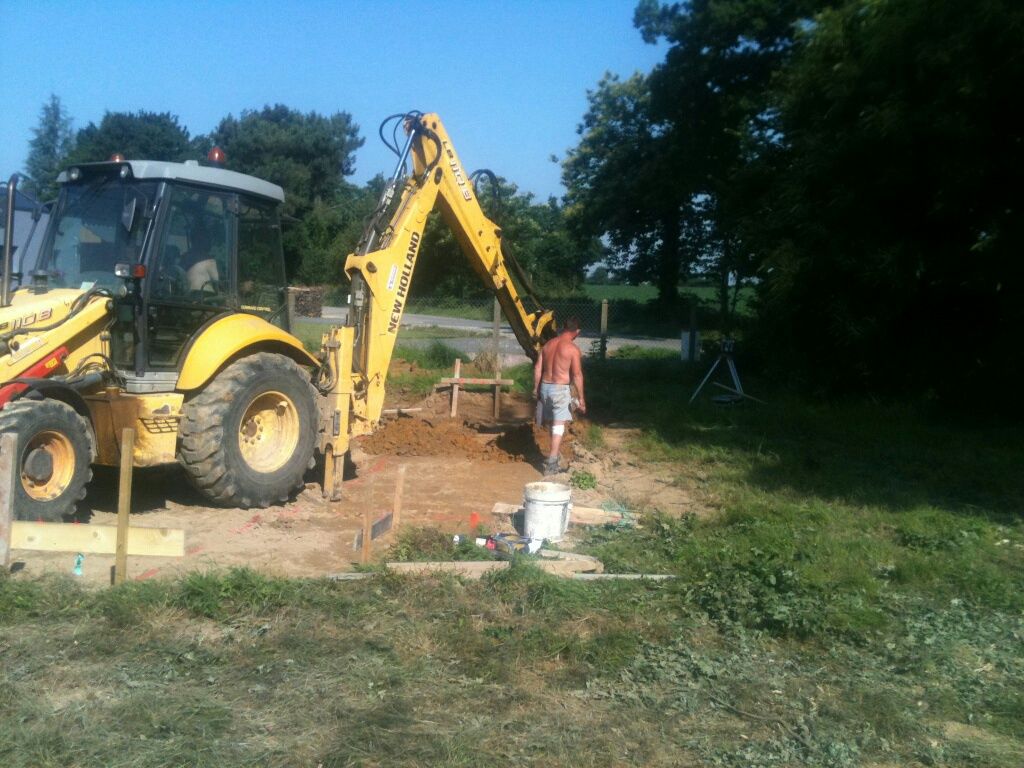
x=30 y=309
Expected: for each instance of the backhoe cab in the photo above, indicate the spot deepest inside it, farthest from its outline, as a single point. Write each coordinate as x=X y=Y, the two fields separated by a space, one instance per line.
x=157 y=302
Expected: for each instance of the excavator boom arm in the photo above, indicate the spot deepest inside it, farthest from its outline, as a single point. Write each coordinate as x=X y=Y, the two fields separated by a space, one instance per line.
x=382 y=272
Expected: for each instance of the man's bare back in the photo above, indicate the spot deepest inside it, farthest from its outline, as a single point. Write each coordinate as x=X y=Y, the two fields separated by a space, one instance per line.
x=559 y=362
x=558 y=359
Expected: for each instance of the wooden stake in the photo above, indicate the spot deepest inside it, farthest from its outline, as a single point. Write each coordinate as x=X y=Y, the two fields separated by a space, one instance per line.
x=8 y=476
x=124 y=505
x=364 y=554
x=396 y=508
x=455 y=388
x=604 y=329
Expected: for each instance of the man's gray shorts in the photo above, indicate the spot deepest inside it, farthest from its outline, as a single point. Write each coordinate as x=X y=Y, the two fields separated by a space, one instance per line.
x=555 y=398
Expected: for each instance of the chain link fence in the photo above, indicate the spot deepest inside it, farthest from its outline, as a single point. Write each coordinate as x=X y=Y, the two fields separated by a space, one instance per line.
x=468 y=325
x=467 y=328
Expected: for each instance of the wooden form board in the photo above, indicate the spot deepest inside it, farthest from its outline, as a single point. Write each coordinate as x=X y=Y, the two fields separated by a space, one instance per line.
x=577 y=515
x=475 y=569
x=96 y=539
x=461 y=381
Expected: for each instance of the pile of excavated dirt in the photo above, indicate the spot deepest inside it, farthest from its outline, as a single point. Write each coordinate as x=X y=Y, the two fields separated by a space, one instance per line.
x=409 y=436
x=442 y=436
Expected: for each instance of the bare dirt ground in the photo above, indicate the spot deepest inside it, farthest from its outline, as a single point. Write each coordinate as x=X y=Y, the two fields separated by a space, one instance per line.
x=456 y=469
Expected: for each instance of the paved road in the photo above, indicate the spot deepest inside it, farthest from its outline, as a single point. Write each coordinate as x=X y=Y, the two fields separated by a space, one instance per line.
x=511 y=352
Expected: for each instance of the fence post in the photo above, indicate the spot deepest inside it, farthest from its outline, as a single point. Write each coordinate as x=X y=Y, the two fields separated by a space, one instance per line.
x=497 y=357
x=604 y=329
x=8 y=477
x=289 y=294
x=692 y=351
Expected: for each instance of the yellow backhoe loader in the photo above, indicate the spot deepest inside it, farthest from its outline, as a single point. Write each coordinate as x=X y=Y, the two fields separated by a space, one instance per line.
x=158 y=302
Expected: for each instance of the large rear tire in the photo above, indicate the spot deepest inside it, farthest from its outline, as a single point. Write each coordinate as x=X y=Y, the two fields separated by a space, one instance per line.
x=248 y=437
x=52 y=455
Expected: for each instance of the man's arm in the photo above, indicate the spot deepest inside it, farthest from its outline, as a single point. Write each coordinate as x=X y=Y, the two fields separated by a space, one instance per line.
x=538 y=372
x=576 y=374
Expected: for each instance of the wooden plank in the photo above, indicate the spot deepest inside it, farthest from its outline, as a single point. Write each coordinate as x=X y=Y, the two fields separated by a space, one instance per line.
x=593 y=516
x=360 y=575
x=472 y=569
x=623 y=576
x=96 y=539
x=475 y=569
x=567 y=567
x=462 y=381
x=8 y=477
x=455 y=388
x=124 y=505
x=577 y=515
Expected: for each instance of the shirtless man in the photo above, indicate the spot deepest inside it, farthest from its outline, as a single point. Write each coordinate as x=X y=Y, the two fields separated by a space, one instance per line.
x=558 y=366
x=201 y=268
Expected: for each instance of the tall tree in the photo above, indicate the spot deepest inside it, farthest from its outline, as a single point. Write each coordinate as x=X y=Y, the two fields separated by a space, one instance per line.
x=52 y=140
x=534 y=234
x=712 y=98
x=136 y=135
x=308 y=154
x=895 y=203
x=622 y=184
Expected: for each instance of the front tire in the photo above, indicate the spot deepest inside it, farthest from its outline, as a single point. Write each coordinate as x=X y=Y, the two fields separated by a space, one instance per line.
x=247 y=439
x=53 y=452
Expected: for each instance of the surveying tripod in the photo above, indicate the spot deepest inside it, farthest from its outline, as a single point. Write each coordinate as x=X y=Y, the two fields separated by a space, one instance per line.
x=726 y=354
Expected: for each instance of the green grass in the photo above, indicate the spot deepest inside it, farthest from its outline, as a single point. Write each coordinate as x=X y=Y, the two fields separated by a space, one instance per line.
x=636 y=352
x=628 y=292
x=851 y=593
x=706 y=295
x=310 y=333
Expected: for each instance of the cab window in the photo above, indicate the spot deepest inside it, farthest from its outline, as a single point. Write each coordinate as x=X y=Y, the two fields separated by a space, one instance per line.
x=260 y=262
x=191 y=281
x=192 y=261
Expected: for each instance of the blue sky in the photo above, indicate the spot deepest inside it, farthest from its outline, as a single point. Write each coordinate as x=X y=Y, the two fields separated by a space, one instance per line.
x=508 y=78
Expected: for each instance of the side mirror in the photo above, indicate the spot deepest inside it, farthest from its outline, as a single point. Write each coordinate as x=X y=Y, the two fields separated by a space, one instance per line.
x=128 y=213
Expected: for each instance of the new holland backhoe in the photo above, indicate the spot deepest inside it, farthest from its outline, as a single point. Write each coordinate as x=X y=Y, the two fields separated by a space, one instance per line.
x=158 y=302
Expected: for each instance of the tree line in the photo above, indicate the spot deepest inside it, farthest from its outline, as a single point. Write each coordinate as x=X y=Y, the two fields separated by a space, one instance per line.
x=311 y=157
x=858 y=160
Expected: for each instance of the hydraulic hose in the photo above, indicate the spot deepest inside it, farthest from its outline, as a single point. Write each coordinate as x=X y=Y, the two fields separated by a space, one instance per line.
x=77 y=306
x=12 y=191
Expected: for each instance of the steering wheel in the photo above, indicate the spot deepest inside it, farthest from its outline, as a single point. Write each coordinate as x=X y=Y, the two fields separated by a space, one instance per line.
x=204 y=296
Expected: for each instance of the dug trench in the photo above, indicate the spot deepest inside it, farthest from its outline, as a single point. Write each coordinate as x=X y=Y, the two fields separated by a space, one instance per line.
x=456 y=469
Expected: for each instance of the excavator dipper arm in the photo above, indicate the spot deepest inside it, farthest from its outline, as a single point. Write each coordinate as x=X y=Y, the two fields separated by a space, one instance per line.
x=382 y=271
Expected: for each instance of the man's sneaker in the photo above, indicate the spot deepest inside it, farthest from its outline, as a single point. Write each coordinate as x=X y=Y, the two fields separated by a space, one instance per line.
x=551 y=467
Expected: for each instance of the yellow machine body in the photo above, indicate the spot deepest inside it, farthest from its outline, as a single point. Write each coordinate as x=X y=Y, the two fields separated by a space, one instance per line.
x=154 y=417
x=230 y=336
x=82 y=335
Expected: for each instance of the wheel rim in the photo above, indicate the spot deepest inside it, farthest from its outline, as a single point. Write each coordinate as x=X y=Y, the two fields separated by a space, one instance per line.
x=269 y=431
x=47 y=465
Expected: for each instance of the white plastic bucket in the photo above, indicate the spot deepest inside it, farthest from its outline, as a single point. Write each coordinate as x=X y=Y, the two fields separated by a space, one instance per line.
x=546 y=509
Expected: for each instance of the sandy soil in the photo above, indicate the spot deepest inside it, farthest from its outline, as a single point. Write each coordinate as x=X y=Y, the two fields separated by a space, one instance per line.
x=456 y=469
